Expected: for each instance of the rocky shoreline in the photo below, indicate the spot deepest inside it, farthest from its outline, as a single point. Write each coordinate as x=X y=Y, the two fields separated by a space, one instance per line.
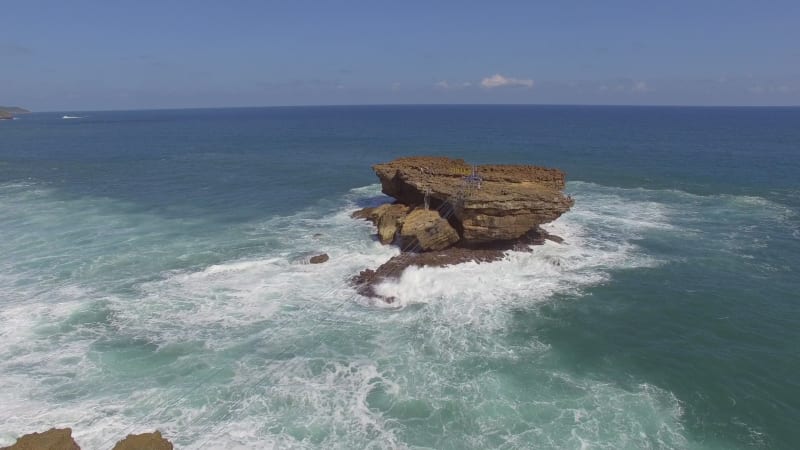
x=61 y=439
x=448 y=212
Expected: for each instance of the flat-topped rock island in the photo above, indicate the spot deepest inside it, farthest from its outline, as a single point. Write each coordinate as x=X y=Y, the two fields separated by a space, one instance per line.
x=447 y=212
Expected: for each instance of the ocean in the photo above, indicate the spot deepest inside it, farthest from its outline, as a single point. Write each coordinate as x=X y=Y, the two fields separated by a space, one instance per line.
x=153 y=275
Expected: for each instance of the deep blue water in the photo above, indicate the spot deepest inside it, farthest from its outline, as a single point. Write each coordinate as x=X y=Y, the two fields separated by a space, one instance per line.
x=152 y=276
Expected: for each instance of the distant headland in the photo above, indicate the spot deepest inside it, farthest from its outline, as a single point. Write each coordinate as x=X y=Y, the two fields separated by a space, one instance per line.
x=8 y=112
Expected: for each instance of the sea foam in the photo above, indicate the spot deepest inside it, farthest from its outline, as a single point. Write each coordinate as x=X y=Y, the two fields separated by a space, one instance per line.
x=263 y=351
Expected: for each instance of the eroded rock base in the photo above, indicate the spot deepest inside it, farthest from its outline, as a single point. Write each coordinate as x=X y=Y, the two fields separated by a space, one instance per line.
x=369 y=279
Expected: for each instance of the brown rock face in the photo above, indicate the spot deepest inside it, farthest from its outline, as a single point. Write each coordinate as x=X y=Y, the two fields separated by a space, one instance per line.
x=426 y=230
x=387 y=218
x=509 y=200
x=52 y=439
x=144 y=441
x=474 y=214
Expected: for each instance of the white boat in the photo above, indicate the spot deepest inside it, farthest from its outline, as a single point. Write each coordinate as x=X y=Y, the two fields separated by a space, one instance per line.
x=72 y=117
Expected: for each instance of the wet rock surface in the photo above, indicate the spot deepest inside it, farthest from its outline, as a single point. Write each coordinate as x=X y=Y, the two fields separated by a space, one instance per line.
x=369 y=279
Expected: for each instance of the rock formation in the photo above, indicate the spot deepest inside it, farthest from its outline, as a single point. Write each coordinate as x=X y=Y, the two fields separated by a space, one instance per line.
x=426 y=230
x=61 y=439
x=144 y=441
x=506 y=202
x=461 y=212
x=319 y=259
x=52 y=439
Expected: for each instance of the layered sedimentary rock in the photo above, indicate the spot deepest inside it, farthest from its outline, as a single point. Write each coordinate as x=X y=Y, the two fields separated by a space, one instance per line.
x=497 y=202
x=446 y=206
x=484 y=204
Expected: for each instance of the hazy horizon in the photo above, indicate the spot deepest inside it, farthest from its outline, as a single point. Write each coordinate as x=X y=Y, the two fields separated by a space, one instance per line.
x=367 y=105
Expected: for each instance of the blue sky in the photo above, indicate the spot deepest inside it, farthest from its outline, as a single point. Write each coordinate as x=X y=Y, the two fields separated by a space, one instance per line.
x=84 y=55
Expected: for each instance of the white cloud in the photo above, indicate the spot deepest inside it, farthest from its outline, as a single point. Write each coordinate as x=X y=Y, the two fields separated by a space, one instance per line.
x=446 y=85
x=771 y=89
x=640 y=86
x=498 y=80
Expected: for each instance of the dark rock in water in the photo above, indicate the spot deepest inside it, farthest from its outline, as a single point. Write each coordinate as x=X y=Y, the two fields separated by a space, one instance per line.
x=368 y=279
x=319 y=259
x=144 y=441
x=554 y=238
x=52 y=439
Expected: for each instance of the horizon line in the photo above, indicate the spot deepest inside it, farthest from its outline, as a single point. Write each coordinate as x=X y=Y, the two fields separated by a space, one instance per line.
x=335 y=105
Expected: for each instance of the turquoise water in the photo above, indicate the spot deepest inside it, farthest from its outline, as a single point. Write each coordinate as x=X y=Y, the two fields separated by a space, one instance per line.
x=152 y=275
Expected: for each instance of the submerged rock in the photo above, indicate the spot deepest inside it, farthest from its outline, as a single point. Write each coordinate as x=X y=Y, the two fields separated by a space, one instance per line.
x=52 y=439
x=144 y=441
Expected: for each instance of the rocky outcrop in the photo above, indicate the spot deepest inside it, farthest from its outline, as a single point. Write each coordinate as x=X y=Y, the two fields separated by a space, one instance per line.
x=61 y=439
x=367 y=280
x=457 y=212
x=52 y=439
x=144 y=441
x=498 y=202
x=387 y=218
